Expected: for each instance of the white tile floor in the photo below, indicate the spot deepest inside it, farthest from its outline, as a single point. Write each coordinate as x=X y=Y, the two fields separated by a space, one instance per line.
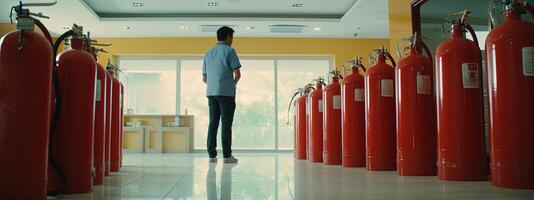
x=274 y=176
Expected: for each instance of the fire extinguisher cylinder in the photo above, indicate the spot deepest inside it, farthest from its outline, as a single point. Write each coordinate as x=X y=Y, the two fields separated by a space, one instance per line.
x=380 y=115
x=332 y=122
x=510 y=56
x=459 y=108
x=415 y=106
x=353 y=117
x=315 y=132
x=25 y=96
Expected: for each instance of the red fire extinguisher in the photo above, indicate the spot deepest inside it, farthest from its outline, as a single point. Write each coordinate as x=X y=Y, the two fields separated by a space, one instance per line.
x=301 y=122
x=415 y=104
x=300 y=109
x=100 y=120
x=353 y=117
x=109 y=122
x=121 y=124
x=510 y=58
x=459 y=103
x=115 y=123
x=25 y=99
x=73 y=140
x=100 y=126
x=315 y=122
x=332 y=122
x=380 y=114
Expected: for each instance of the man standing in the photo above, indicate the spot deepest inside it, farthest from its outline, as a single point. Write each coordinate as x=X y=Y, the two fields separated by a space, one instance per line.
x=221 y=73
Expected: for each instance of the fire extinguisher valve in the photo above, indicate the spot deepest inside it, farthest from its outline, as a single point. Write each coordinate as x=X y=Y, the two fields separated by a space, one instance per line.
x=21 y=11
x=77 y=31
x=357 y=63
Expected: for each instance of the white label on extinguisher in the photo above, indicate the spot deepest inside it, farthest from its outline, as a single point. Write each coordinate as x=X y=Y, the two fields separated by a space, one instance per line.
x=386 y=87
x=321 y=105
x=98 y=96
x=470 y=75
x=336 y=103
x=359 y=94
x=528 y=61
x=423 y=84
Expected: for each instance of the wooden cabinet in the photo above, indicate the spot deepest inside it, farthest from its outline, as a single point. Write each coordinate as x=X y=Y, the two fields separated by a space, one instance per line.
x=158 y=133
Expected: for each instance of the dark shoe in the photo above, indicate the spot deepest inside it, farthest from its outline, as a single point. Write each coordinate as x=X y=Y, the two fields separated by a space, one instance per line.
x=230 y=160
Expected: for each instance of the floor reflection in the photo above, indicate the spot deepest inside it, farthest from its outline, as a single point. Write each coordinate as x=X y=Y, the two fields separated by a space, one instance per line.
x=274 y=176
x=226 y=182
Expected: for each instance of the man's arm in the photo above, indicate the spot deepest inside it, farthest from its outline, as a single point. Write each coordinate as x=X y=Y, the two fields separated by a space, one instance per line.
x=204 y=71
x=235 y=65
x=237 y=75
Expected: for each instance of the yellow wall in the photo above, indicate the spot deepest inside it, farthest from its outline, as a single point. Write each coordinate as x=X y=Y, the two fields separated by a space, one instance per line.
x=5 y=28
x=342 y=50
x=400 y=24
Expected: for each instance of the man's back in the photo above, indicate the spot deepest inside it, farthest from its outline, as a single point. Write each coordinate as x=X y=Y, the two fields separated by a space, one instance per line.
x=219 y=65
x=221 y=73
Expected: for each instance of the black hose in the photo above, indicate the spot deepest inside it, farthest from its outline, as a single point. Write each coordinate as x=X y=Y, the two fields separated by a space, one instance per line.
x=427 y=52
x=475 y=39
x=472 y=32
x=388 y=55
x=362 y=67
x=55 y=118
x=290 y=103
x=44 y=30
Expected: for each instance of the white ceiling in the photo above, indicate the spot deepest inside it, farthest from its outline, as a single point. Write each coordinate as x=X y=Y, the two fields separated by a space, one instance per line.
x=163 y=18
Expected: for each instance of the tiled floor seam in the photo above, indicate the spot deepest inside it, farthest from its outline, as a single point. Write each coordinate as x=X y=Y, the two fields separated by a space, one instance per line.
x=255 y=187
x=175 y=185
x=122 y=187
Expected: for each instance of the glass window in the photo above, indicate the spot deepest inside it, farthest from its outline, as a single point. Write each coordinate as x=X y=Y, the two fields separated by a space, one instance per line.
x=254 y=117
x=151 y=89
x=193 y=99
x=254 y=121
x=293 y=74
x=150 y=86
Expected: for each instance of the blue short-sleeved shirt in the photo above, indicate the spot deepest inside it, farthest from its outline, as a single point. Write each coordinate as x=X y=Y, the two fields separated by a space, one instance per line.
x=219 y=65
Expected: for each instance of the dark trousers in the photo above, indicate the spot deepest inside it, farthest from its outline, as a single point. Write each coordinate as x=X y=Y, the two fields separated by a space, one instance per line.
x=221 y=108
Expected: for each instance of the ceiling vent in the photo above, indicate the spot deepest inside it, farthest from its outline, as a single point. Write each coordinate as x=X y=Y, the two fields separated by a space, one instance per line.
x=214 y=28
x=286 y=28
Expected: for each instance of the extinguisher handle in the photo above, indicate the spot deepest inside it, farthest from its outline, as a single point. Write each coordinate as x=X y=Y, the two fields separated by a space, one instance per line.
x=472 y=32
x=39 y=4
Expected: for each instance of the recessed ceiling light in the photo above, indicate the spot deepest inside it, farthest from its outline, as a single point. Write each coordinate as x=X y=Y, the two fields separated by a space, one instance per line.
x=128 y=27
x=317 y=28
x=137 y=4
x=185 y=27
x=212 y=4
x=296 y=5
x=249 y=28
